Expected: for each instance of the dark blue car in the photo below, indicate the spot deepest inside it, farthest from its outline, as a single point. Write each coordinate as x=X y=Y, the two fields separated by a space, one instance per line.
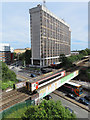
x=32 y=75
x=84 y=101
x=87 y=97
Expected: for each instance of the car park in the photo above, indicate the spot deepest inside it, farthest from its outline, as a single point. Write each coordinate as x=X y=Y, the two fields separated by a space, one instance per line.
x=48 y=97
x=84 y=101
x=71 y=111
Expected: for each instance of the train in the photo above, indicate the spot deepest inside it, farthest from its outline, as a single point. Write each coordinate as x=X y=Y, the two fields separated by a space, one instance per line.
x=36 y=83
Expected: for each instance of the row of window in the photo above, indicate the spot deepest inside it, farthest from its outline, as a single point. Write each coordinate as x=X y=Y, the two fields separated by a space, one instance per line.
x=52 y=19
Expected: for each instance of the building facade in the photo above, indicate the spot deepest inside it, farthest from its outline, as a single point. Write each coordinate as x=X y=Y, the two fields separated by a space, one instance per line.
x=50 y=37
x=5 y=53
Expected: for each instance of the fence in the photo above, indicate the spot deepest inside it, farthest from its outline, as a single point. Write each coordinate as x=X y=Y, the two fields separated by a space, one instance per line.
x=16 y=107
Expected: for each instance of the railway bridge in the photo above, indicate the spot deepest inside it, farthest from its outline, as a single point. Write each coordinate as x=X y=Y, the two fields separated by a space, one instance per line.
x=39 y=87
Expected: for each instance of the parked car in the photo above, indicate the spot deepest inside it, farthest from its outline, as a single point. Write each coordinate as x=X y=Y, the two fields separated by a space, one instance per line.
x=84 y=101
x=32 y=75
x=71 y=111
x=39 y=73
x=87 y=97
x=48 y=97
x=71 y=96
x=16 y=65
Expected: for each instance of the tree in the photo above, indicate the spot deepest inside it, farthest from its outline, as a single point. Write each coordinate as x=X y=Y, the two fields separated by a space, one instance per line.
x=61 y=57
x=66 y=61
x=88 y=73
x=84 y=52
x=7 y=74
x=22 y=56
x=88 y=51
x=28 y=56
x=25 y=57
x=15 y=56
x=49 y=110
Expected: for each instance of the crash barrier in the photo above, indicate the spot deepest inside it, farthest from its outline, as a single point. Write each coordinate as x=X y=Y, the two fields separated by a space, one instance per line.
x=16 y=107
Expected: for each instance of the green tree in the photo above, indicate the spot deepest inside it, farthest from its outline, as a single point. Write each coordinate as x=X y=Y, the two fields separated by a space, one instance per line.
x=88 y=73
x=22 y=56
x=28 y=56
x=49 y=110
x=88 y=51
x=15 y=56
x=25 y=57
x=66 y=61
x=7 y=74
x=61 y=57
x=84 y=52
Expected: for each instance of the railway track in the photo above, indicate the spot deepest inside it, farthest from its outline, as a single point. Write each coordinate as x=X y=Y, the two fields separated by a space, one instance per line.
x=18 y=99
x=6 y=96
x=12 y=98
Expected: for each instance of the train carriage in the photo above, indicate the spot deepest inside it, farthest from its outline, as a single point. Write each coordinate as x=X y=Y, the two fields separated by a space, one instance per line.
x=36 y=83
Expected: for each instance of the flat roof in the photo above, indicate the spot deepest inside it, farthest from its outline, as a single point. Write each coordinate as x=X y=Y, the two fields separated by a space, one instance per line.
x=38 y=7
x=74 y=84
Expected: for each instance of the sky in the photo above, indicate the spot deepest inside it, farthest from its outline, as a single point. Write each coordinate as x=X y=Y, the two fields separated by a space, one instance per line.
x=16 y=22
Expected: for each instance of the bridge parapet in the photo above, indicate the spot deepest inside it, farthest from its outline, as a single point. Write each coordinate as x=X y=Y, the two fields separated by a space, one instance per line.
x=56 y=84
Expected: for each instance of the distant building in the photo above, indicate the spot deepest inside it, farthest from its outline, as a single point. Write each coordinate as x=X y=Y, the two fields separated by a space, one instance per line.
x=20 y=51
x=5 y=53
x=74 y=53
x=50 y=37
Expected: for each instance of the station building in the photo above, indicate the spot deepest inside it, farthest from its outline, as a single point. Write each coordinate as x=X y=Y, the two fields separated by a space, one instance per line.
x=50 y=37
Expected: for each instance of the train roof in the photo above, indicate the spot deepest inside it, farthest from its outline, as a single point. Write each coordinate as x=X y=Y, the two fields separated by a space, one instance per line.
x=74 y=84
x=36 y=79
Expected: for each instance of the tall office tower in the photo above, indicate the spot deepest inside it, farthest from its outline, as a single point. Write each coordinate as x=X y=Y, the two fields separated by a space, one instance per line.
x=50 y=36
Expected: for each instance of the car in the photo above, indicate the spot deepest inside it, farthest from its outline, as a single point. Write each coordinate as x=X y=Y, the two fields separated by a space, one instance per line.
x=32 y=75
x=39 y=73
x=87 y=97
x=84 y=101
x=16 y=65
x=13 y=67
x=71 y=111
x=48 y=97
x=71 y=96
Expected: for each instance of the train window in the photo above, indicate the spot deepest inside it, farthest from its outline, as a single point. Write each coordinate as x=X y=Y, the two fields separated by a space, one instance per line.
x=49 y=79
x=29 y=84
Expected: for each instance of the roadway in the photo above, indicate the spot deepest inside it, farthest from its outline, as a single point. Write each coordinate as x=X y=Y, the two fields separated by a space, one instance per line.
x=80 y=113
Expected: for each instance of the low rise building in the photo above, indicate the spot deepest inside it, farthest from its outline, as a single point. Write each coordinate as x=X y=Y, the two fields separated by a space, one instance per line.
x=20 y=51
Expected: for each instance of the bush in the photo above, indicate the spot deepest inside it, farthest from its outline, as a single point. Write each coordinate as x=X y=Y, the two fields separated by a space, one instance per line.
x=7 y=74
x=8 y=77
x=49 y=110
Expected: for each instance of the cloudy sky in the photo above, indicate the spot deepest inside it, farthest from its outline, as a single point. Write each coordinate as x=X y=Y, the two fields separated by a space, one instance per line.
x=16 y=27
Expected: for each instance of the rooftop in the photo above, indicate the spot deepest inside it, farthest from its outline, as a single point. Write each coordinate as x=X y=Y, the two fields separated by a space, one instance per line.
x=47 y=11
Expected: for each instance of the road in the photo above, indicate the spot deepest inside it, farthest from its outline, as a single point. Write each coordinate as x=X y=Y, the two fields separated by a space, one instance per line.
x=80 y=113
